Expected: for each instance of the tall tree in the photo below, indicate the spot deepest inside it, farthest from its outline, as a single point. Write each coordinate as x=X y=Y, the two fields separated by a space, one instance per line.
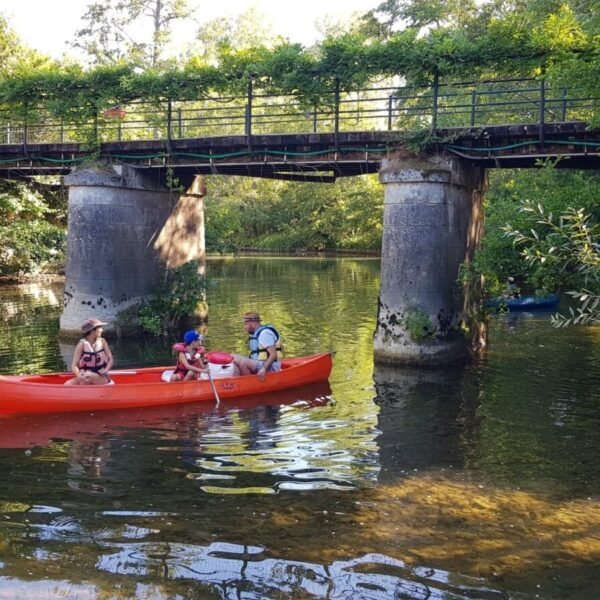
x=132 y=30
x=15 y=57
x=394 y=15
x=250 y=29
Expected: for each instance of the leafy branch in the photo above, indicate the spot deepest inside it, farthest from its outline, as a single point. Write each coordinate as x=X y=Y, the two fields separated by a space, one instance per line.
x=566 y=247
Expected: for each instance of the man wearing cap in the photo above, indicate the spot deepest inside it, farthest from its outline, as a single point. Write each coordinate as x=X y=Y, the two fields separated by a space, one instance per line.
x=92 y=359
x=265 y=348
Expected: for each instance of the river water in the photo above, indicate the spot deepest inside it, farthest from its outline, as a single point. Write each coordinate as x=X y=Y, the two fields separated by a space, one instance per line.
x=474 y=482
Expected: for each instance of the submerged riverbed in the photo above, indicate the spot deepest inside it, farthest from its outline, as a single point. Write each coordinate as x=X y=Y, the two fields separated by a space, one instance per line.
x=474 y=482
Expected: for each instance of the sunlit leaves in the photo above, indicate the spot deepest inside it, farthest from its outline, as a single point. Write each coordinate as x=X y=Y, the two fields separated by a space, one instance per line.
x=284 y=216
x=588 y=313
x=567 y=248
x=517 y=43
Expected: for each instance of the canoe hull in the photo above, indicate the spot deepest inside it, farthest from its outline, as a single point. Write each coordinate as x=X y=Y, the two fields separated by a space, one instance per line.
x=526 y=302
x=143 y=388
x=39 y=429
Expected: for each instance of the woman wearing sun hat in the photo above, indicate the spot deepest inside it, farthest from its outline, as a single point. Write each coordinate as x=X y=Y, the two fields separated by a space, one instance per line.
x=92 y=359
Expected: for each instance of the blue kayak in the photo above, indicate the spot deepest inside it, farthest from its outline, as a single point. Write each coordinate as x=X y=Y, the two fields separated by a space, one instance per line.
x=525 y=302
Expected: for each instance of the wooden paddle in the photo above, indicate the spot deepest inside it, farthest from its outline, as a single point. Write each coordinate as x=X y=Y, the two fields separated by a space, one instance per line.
x=214 y=389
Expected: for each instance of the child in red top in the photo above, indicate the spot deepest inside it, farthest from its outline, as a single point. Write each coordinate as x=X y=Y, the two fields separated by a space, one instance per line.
x=190 y=357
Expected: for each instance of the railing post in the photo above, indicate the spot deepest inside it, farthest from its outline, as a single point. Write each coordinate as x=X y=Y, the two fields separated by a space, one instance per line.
x=390 y=110
x=169 y=122
x=542 y=110
x=26 y=127
x=179 y=123
x=248 y=124
x=336 y=120
x=62 y=130
x=96 y=140
x=436 y=85
x=315 y=122
x=563 y=108
x=473 y=103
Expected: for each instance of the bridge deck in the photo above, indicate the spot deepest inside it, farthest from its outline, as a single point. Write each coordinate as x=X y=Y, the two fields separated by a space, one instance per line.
x=315 y=156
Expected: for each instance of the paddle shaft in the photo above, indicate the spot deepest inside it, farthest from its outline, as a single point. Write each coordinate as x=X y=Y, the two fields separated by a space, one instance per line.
x=214 y=389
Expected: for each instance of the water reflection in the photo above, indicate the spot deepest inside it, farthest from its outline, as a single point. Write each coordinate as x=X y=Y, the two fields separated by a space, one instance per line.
x=87 y=463
x=480 y=482
x=262 y=427
x=231 y=567
x=19 y=300
x=427 y=419
x=189 y=423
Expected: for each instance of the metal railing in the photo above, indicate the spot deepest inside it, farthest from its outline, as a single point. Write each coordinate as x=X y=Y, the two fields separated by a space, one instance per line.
x=382 y=108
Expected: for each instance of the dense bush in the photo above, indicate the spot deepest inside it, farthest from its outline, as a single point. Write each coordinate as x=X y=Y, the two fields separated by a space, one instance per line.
x=180 y=296
x=32 y=233
x=285 y=216
x=556 y=190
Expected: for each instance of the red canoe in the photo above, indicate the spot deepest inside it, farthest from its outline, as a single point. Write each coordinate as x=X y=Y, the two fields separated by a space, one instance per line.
x=137 y=388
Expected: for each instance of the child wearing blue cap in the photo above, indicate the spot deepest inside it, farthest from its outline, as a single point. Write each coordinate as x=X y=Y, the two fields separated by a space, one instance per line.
x=191 y=359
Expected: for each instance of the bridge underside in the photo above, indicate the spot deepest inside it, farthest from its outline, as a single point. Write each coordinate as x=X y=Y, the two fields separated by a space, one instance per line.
x=317 y=157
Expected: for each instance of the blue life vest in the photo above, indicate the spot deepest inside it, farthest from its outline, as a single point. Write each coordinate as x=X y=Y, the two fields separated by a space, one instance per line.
x=259 y=352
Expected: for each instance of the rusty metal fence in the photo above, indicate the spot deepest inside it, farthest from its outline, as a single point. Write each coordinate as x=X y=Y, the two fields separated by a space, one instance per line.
x=382 y=108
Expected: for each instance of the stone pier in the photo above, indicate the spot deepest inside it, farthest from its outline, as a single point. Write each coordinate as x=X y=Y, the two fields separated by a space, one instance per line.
x=124 y=229
x=428 y=213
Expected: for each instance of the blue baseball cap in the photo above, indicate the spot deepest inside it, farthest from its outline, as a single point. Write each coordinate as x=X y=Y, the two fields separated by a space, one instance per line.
x=191 y=336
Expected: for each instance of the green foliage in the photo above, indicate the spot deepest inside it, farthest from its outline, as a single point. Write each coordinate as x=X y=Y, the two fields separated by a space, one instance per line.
x=556 y=190
x=564 y=251
x=15 y=58
x=467 y=41
x=588 y=313
x=29 y=241
x=219 y=36
x=30 y=246
x=286 y=216
x=173 y=183
x=563 y=246
x=418 y=325
x=111 y=33
x=176 y=300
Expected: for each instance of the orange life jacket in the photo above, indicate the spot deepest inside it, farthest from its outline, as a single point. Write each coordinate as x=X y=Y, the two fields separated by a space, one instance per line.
x=196 y=360
x=93 y=358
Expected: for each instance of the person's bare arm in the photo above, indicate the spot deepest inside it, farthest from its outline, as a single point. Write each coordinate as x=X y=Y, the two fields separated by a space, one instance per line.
x=271 y=358
x=109 y=356
x=76 y=358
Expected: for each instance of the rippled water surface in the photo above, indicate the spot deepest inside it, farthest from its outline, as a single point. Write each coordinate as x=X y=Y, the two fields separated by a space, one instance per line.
x=475 y=482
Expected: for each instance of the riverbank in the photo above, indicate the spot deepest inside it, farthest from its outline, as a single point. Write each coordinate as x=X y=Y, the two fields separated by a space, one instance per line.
x=31 y=278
